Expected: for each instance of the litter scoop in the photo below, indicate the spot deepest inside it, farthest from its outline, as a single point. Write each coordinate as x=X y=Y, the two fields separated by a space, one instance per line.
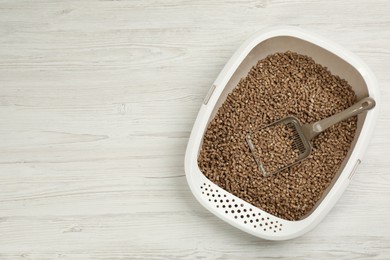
x=286 y=142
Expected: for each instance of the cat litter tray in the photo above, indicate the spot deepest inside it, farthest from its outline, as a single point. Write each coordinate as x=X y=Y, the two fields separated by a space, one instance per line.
x=340 y=62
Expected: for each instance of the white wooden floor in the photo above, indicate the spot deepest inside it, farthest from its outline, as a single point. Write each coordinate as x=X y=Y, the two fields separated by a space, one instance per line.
x=97 y=101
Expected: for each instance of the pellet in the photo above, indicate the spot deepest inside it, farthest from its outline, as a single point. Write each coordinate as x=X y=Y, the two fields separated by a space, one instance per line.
x=282 y=84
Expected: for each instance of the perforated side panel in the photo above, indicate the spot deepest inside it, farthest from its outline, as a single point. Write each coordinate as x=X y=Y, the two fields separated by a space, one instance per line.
x=239 y=210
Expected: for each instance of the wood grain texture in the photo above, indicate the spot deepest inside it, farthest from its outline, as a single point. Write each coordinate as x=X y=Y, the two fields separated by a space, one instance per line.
x=97 y=101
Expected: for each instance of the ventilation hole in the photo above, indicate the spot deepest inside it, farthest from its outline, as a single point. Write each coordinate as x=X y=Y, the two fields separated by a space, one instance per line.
x=235 y=216
x=244 y=210
x=213 y=195
x=217 y=206
x=253 y=214
x=276 y=226
x=274 y=231
x=230 y=206
x=226 y=212
x=202 y=192
x=257 y=220
x=276 y=221
x=219 y=196
x=272 y=222
x=260 y=225
x=233 y=200
x=242 y=216
x=245 y=222
x=262 y=219
x=266 y=223
x=209 y=199
x=270 y=227
x=239 y=211
x=224 y=195
x=254 y=226
x=216 y=190
x=251 y=221
x=208 y=194
x=205 y=188
x=250 y=209
x=211 y=190
x=223 y=206
x=265 y=229
x=242 y=205
x=268 y=218
x=259 y=214
x=236 y=205
x=248 y=216
x=201 y=187
x=221 y=201
x=281 y=224
x=280 y=229
x=232 y=211
x=215 y=200
x=227 y=200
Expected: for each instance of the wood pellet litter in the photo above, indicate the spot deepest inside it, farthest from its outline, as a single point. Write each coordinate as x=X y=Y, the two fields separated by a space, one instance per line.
x=280 y=85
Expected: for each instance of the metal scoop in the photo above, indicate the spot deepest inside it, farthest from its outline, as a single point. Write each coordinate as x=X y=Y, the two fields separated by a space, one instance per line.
x=302 y=134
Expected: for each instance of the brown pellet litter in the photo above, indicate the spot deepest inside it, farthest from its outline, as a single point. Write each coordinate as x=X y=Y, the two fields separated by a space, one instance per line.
x=280 y=85
x=274 y=147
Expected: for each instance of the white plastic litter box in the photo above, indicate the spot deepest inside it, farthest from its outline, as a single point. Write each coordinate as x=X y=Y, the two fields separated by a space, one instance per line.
x=340 y=62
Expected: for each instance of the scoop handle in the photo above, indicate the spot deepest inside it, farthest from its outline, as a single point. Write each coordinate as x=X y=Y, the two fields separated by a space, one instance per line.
x=312 y=130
